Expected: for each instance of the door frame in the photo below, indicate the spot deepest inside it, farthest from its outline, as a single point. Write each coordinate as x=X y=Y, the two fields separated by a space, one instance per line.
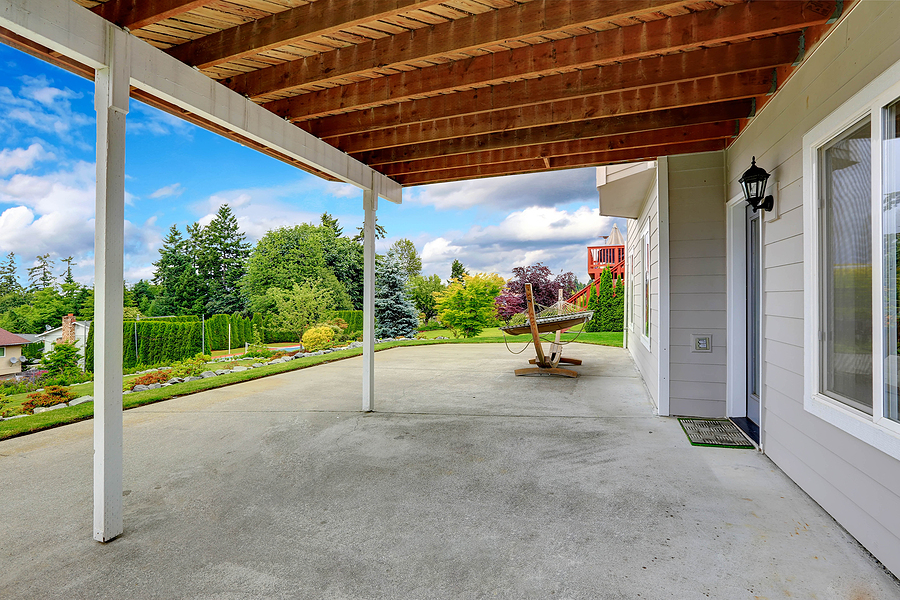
x=736 y=291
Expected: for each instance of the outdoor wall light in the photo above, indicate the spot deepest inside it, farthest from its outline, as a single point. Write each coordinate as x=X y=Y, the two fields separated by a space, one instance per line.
x=753 y=182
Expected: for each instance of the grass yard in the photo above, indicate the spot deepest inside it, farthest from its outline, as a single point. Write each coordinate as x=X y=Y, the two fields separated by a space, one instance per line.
x=494 y=335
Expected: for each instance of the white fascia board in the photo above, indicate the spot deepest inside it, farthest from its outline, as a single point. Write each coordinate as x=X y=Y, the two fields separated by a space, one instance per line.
x=76 y=32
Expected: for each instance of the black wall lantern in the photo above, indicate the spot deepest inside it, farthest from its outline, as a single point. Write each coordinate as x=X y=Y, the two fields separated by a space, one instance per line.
x=753 y=183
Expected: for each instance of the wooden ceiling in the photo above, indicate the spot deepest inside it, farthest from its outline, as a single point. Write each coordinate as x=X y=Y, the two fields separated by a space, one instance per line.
x=441 y=90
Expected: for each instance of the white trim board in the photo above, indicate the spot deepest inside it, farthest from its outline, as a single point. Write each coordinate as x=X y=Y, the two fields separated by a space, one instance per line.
x=81 y=35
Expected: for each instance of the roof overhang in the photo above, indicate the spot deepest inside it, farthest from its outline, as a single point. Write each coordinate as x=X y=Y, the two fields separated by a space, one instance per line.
x=624 y=188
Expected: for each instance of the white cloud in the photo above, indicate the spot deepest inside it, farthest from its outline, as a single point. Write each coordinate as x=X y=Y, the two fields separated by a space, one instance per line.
x=21 y=159
x=176 y=189
x=517 y=191
x=557 y=238
x=54 y=213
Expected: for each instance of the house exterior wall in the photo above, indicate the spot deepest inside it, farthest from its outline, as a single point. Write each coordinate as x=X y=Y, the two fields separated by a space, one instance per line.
x=5 y=367
x=647 y=359
x=856 y=483
x=698 y=299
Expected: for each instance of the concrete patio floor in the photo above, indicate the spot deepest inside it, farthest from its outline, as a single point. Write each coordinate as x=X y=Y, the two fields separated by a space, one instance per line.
x=466 y=483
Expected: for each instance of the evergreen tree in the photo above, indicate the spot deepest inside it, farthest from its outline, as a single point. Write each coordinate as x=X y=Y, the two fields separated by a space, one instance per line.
x=9 y=281
x=607 y=310
x=179 y=285
x=395 y=314
x=70 y=262
x=457 y=273
x=332 y=223
x=406 y=254
x=221 y=255
x=40 y=276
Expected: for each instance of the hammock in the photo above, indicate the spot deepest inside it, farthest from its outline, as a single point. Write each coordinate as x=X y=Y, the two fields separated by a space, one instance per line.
x=561 y=315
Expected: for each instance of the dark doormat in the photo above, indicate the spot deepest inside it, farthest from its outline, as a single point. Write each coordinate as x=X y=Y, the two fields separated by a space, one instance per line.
x=718 y=433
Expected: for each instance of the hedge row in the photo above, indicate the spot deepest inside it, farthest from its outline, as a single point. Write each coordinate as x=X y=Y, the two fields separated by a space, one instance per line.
x=354 y=319
x=217 y=331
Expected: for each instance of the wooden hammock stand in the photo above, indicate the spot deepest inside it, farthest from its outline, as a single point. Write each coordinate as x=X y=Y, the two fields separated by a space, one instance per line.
x=544 y=364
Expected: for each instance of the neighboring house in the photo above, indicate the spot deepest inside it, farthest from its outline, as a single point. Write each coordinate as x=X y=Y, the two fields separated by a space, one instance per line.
x=11 y=359
x=71 y=331
x=799 y=305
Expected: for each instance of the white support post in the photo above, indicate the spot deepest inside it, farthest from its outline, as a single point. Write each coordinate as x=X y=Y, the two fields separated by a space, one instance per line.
x=111 y=103
x=370 y=203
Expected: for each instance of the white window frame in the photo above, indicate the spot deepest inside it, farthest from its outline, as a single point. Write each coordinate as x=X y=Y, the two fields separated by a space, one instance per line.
x=646 y=284
x=876 y=430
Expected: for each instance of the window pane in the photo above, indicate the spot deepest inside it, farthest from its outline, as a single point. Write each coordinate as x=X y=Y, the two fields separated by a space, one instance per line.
x=891 y=231
x=847 y=236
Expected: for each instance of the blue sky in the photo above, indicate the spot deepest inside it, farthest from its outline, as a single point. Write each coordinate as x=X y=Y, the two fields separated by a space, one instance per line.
x=177 y=173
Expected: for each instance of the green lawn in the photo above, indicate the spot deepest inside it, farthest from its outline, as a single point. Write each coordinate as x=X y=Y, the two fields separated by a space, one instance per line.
x=73 y=414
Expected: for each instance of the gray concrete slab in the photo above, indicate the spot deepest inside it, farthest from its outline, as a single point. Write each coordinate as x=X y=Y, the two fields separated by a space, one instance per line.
x=467 y=483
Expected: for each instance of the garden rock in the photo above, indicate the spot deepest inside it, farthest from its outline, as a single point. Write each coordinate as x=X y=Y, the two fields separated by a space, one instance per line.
x=81 y=400
x=140 y=388
x=238 y=369
x=207 y=374
x=155 y=386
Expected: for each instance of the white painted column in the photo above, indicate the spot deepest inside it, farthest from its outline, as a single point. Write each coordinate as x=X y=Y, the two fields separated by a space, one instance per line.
x=111 y=103
x=370 y=202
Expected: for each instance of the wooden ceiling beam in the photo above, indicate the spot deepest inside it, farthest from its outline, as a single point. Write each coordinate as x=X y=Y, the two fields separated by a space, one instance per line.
x=666 y=36
x=649 y=72
x=673 y=135
x=618 y=125
x=565 y=162
x=288 y=27
x=473 y=32
x=580 y=110
x=135 y=14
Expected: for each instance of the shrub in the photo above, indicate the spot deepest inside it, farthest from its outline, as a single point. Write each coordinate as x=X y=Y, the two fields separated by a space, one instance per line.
x=189 y=367
x=62 y=359
x=51 y=396
x=318 y=338
x=155 y=377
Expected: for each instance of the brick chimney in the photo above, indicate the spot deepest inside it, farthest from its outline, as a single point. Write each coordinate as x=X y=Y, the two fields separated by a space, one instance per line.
x=68 y=329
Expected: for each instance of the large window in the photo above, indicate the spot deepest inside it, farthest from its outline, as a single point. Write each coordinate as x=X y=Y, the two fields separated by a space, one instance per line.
x=851 y=177
x=645 y=266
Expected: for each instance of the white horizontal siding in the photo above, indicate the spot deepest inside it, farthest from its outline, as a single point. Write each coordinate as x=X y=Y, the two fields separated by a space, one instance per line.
x=858 y=485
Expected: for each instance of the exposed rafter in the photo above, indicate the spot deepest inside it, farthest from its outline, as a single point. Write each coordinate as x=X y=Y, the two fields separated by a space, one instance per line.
x=642 y=139
x=563 y=162
x=287 y=27
x=650 y=72
x=135 y=14
x=682 y=33
x=597 y=128
x=470 y=33
x=581 y=110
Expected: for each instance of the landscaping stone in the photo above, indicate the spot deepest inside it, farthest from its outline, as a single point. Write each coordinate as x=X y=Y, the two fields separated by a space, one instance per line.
x=155 y=386
x=140 y=388
x=238 y=369
x=207 y=374
x=81 y=400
